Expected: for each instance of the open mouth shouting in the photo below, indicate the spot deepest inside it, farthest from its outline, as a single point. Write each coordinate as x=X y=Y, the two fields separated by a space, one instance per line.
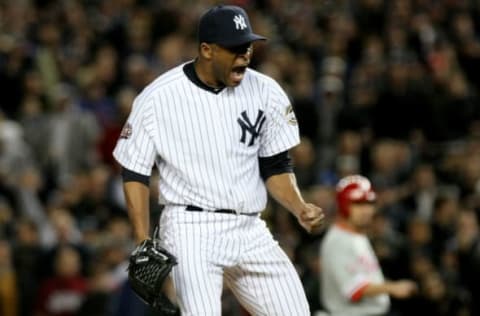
x=237 y=73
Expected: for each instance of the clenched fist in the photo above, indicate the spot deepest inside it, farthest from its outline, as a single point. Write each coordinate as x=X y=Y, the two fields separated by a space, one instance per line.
x=311 y=217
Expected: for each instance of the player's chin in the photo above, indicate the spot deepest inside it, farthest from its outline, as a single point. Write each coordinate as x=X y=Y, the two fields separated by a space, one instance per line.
x=364 y=225
x=232 y=84
x=236 y=76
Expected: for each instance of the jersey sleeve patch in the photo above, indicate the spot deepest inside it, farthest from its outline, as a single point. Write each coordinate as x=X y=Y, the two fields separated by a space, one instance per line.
x=126 y=131
x=290 y=115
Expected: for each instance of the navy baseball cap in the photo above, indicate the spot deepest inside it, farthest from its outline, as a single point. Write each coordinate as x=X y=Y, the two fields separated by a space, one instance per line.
x=227 y=26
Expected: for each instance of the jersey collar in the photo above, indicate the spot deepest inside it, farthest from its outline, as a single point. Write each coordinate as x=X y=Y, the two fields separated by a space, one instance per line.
x=343 y=226
x=191 y=74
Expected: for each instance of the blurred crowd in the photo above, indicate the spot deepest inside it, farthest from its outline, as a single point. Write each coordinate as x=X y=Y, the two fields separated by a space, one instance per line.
x=388 y=89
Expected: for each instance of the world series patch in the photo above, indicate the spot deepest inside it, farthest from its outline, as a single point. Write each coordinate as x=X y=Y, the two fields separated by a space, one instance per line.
x=126 y=131
x=290 y=115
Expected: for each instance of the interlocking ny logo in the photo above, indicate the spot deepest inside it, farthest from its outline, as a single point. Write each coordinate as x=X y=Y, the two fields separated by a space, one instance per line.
x=239 y=22
x=247 y=126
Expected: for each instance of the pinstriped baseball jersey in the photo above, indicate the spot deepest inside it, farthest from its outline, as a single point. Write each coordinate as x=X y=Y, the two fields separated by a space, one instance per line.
x=206 y=143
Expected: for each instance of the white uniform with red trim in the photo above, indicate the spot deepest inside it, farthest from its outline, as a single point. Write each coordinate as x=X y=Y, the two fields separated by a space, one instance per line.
x=348 y=266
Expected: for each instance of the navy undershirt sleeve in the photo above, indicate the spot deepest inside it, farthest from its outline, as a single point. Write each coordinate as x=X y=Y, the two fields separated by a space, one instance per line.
x=276 y=164
x=129 y=176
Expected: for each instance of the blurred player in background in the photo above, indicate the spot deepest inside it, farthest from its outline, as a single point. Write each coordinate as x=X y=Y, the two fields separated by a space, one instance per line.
x=352 y=282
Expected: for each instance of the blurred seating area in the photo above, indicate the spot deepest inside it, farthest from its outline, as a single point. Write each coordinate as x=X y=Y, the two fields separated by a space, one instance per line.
x=389 y=89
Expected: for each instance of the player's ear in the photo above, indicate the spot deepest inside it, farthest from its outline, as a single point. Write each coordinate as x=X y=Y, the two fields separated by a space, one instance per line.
x=206 y=51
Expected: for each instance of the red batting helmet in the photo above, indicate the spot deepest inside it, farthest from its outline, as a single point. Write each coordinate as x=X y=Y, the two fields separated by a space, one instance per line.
x=355 y=188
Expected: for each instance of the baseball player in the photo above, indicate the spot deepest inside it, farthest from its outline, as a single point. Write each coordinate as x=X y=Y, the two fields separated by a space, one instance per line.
x=219 y=134
x=352 y=282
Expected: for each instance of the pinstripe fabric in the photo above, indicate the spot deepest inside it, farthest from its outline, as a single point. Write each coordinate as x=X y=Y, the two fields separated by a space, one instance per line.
x=206 y=147
x=240 y=249
x=194 y=136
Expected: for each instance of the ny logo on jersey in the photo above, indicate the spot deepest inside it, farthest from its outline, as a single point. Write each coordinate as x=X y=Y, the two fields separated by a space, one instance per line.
x=248 y=127
x=239 y=22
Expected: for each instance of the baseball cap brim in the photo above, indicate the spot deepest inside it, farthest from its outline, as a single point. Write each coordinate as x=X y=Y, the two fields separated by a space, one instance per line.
x=248 y=38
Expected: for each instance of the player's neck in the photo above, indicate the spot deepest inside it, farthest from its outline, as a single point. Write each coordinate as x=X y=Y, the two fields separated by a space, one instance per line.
x=205 y=74
x=346 y=225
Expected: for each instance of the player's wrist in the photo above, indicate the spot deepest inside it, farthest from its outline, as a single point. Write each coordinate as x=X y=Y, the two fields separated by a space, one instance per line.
x=299 y=209
x=389 y=287
x=295 y=205
x=140 y=239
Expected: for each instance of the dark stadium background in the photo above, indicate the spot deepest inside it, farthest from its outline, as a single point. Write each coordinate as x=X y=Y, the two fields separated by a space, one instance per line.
x=389 y=89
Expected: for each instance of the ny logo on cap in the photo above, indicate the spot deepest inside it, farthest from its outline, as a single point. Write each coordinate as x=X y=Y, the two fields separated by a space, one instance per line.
x=239 y=22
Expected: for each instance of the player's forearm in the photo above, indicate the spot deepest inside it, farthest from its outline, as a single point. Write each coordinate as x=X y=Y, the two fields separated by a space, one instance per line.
x=377 y=289
x=136 y=196
x=398 y=289
x=283 y=188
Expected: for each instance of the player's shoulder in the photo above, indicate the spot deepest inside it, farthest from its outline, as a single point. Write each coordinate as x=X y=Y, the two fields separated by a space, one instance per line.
x=268 y=87
x=337 y=236
x=163 y=81
x=261 y=78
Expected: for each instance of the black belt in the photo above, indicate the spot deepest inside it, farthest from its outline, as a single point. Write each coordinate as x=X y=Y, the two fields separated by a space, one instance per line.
x=194 y=208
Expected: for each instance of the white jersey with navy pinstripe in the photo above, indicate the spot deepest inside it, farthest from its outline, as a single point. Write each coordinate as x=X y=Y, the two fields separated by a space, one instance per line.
x=205 y=144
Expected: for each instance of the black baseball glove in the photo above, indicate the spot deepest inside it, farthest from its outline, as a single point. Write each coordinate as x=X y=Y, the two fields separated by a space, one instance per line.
x=148 y=268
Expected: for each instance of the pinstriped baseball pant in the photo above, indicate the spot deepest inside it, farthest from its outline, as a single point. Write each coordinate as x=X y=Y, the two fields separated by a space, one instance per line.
x=236 y=250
